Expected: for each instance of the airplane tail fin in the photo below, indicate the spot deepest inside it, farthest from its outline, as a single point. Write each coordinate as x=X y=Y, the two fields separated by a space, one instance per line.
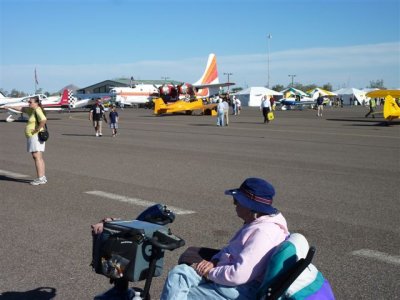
x=210 y=74
x=159 y=106
x=390 y=109
x=67 y=99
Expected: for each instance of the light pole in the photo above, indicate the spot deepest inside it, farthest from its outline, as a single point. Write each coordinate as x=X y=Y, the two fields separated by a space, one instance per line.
x=165 y=78
x=269 y=36
x=228 y=74
x=293 y=76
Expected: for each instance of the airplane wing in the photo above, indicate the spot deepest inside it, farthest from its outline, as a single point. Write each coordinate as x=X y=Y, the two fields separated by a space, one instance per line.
x=203 y=86
x=384 y=93
x=10 y=109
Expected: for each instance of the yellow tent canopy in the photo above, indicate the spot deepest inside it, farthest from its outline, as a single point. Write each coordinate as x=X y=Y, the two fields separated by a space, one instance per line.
x=322 y=91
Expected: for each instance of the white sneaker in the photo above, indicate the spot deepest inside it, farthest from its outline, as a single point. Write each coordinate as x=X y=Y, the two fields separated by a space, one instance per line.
x=38 y=181
x=97 y=134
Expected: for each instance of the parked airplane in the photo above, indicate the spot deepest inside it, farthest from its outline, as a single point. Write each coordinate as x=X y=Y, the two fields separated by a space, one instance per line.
x=75 y=102
x=7 y=100
x=208 y=85
x=138 y=94
x=391 y=109
x=183 y=106
x=54 y=103
x=189 y=97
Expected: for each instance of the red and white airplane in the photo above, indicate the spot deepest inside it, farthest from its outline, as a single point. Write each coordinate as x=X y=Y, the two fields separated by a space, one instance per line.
x=54 y=103
x=208 y=85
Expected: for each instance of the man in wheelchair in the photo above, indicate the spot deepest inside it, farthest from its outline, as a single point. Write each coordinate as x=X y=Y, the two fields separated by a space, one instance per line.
x=237 y=271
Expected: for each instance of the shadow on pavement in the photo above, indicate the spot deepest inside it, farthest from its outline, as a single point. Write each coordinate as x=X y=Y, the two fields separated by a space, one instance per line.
x=371 y=122
x=76 y=134
x=40 y=293
x=6 y=178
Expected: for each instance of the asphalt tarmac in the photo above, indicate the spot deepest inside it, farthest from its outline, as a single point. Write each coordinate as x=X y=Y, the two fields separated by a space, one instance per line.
x=336 y=178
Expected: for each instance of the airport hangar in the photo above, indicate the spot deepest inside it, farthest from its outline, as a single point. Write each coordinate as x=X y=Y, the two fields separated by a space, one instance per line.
x=104 y=87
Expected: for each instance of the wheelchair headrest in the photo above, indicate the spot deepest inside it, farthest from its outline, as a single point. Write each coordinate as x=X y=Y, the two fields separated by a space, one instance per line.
x=300 y=243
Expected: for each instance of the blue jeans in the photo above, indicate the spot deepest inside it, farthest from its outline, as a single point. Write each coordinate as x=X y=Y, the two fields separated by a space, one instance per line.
x=184 y=283
x=220 y=120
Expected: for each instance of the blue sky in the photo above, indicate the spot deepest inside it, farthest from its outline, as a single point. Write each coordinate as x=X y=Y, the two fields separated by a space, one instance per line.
x=344 y=43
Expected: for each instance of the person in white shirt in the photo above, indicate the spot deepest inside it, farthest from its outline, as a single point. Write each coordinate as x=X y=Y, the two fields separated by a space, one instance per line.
x=265 y=107
x=238 y=105
x=220 y=113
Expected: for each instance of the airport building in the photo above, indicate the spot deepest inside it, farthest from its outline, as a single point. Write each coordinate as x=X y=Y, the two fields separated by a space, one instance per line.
x=105 y=86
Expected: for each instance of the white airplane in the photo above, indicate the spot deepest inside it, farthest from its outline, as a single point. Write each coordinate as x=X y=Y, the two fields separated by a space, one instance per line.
x=53 y=103
x=208 y=85
x=6 y=100
x=296 y=99
x=138 y=94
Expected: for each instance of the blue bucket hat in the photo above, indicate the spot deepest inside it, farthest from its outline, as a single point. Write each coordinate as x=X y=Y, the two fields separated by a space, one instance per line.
x=255 y=194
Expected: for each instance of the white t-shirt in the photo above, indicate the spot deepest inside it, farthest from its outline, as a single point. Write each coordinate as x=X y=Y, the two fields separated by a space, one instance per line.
x=266 y=103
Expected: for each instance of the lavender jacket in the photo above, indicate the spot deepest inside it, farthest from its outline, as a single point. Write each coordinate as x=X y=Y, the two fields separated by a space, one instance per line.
x=246 y=256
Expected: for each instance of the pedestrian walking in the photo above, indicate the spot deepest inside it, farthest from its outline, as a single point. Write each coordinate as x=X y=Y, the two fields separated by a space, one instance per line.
x=220 y=113
x=96 y=115
x=114 y=119
x=320 y=105
x=265 y=107
x=226 y=112
x=372 y=106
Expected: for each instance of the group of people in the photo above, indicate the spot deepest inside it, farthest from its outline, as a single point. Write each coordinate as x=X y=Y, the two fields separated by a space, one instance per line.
x=37 y=123
x=97 y=115
x=223 y=110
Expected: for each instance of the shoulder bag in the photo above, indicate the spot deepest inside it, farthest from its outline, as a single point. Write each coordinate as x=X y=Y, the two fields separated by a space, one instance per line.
x=43 y=135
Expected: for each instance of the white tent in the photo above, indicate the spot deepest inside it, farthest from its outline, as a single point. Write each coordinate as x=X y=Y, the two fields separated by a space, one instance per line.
x=252 y=95
x=357 y=95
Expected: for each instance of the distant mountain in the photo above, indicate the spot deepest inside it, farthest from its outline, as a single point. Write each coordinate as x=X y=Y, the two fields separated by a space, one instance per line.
x=71 y=86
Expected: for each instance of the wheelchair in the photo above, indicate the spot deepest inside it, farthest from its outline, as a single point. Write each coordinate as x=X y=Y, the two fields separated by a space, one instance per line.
x=289 y=274
x=133 y=250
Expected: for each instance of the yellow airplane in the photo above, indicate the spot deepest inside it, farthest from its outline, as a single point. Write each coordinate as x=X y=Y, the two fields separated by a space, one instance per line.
x=391 y=109
x=183 y=106
x=188 y=97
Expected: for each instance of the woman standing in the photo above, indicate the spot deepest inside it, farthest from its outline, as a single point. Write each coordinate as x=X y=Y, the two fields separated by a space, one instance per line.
x=36 y=123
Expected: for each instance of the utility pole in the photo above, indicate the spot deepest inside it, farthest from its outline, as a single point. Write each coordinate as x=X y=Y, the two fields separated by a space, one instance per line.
x=165 y=78
x=293 y=76
x=228 y=74
x=269 y=36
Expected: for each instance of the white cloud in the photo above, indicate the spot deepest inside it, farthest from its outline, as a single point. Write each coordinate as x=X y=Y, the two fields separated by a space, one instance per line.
x=353 y=65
